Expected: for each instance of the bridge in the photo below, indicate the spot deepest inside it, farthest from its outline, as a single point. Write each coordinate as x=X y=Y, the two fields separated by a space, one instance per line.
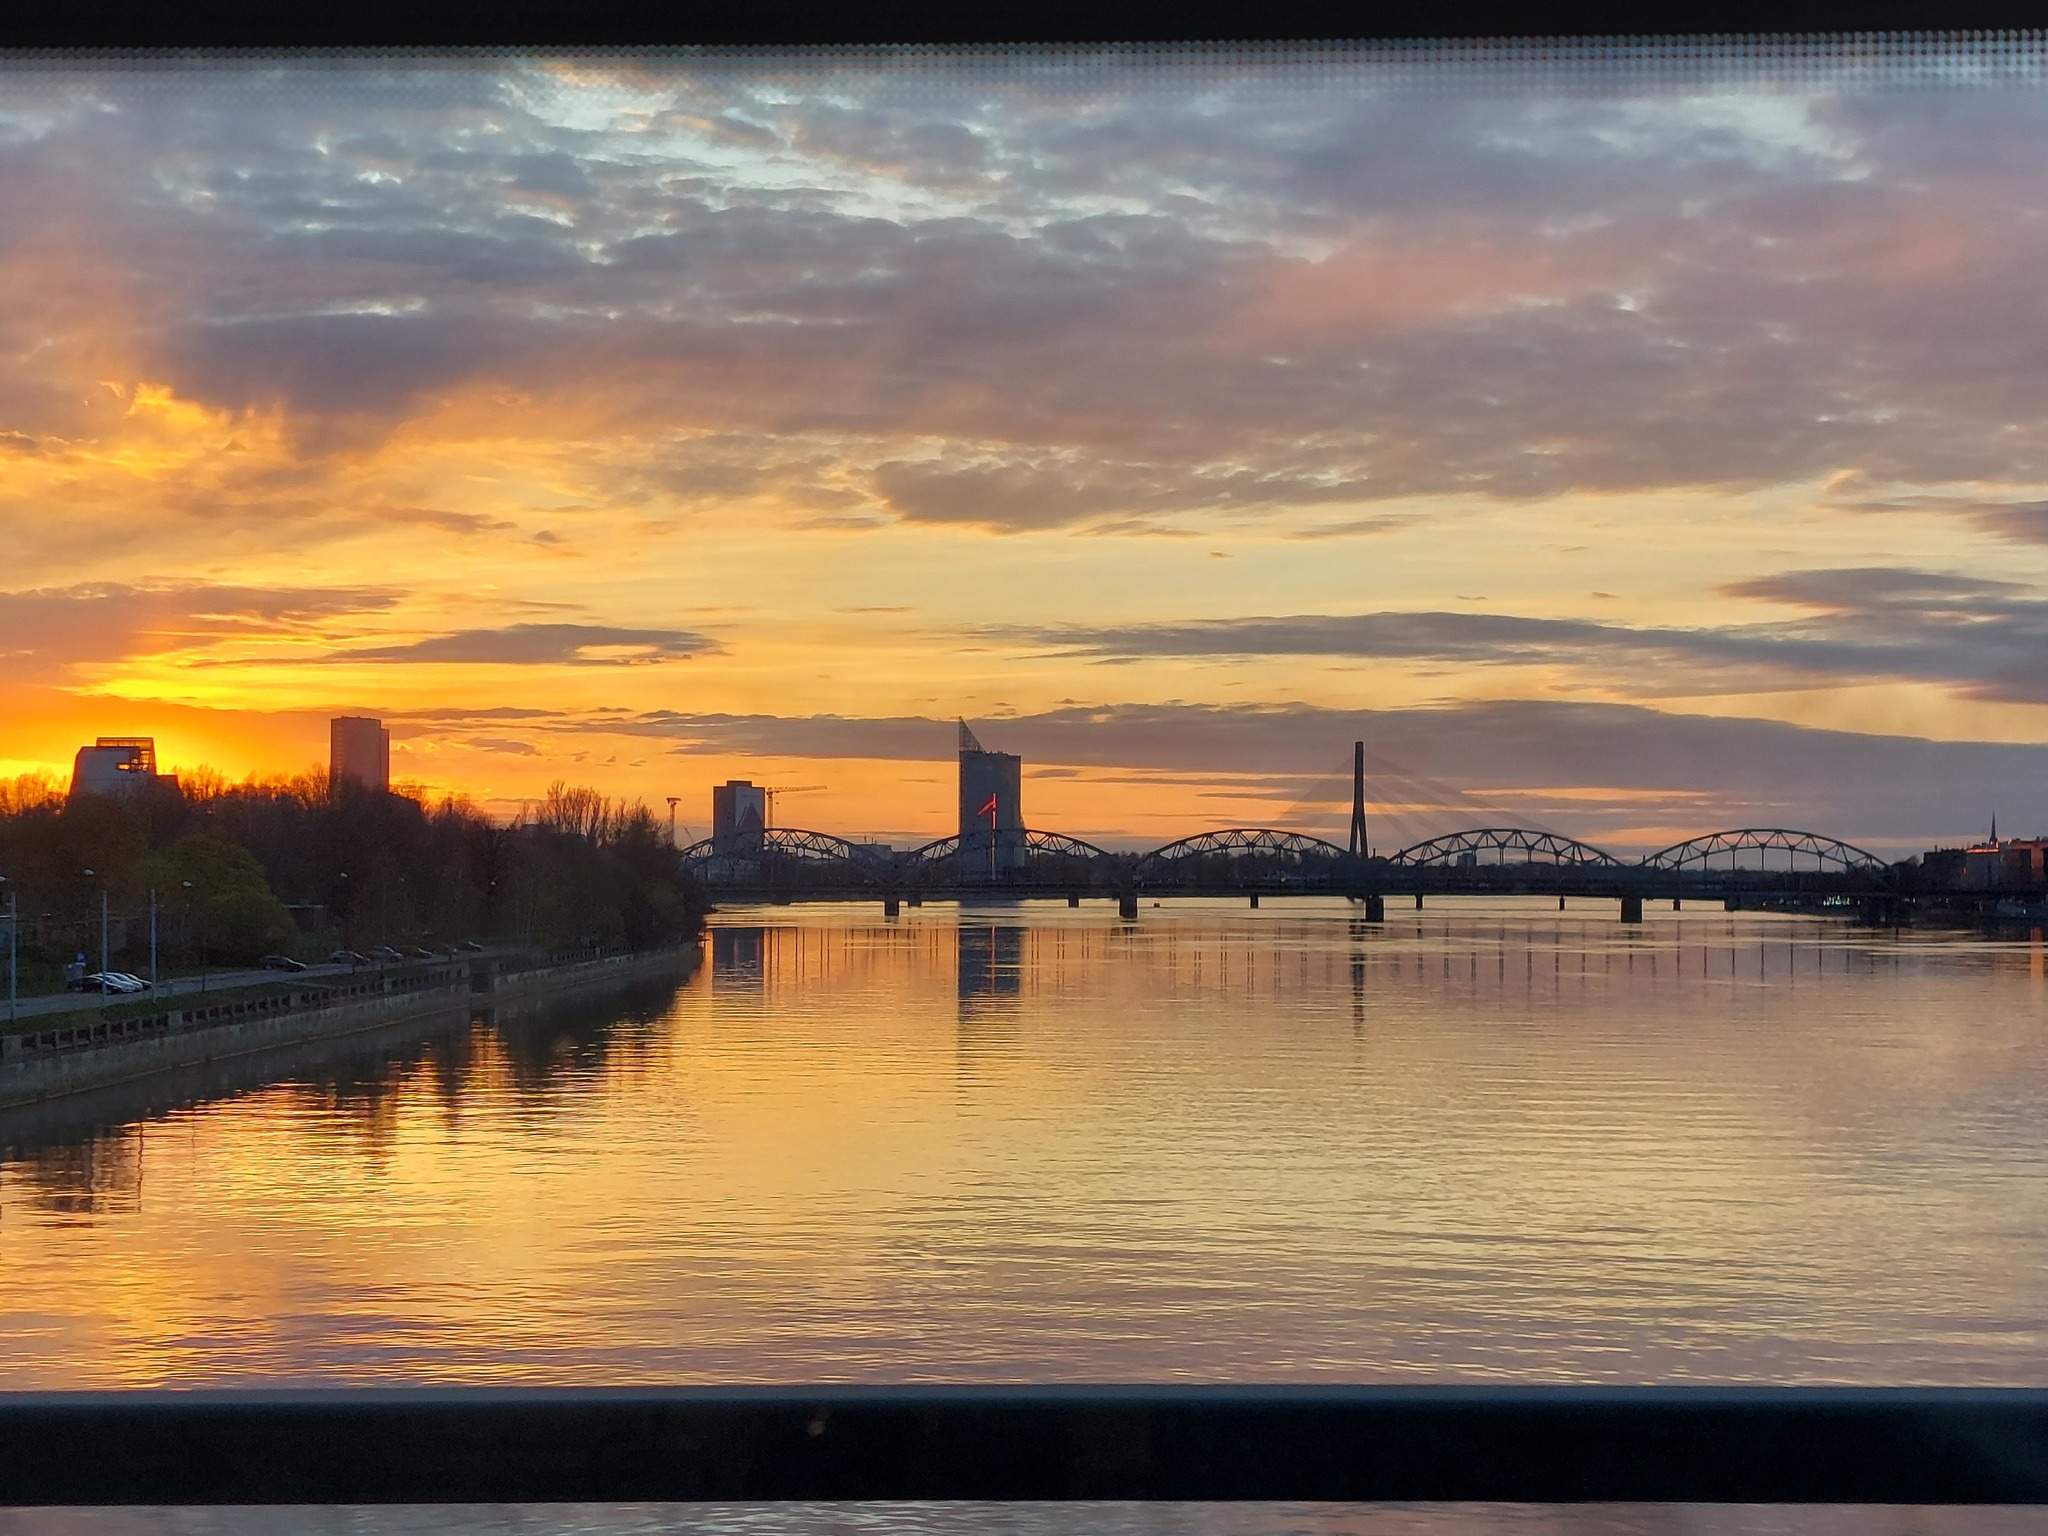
x=1765 y=864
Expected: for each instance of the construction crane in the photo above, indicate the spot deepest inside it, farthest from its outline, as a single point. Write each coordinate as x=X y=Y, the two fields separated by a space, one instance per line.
x=768 y=795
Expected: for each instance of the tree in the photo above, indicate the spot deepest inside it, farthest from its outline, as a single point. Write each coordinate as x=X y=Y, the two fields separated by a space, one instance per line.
x=235 y=916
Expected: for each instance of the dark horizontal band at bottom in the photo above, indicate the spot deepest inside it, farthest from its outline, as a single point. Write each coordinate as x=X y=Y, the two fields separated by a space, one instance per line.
x=1534 y=1444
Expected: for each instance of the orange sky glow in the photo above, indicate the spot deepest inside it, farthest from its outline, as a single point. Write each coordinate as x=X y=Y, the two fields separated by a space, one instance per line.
x=1641 y=464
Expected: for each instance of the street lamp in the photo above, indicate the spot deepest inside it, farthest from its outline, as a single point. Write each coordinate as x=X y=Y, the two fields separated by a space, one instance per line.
x=103 y=933
x=190 y=928
x=13 y=962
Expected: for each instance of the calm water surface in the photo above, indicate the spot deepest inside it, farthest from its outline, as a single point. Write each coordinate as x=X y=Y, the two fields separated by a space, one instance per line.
x=1486 y=1141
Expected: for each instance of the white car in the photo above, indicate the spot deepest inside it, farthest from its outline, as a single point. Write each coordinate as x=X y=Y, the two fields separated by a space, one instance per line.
x=110 y=981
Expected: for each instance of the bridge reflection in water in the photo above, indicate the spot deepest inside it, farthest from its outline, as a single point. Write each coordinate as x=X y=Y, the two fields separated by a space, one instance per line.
x=1768 y=864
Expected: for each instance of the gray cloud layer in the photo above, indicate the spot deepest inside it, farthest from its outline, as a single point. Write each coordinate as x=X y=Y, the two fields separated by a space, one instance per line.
x=529 y=645
x=1985 y=637
x=104 y=621
x=1185 y=294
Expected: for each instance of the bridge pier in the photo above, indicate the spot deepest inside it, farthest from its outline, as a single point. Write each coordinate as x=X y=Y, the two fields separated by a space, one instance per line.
x=1731 y=904
x=1418 y=901
x=1631 y=909
x=1678 y=904
x=891 y=906
x=1560 y=903
x=1255 y=901
x=1127 y=906
x=1375 y=909
x=1073 y=898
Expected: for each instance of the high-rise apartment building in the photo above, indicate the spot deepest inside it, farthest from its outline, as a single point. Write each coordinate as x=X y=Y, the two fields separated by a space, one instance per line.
x=991 y=811
x=358 y=754
x=739 y=810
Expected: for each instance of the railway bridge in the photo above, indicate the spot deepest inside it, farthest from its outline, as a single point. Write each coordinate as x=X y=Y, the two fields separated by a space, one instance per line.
x=1760 y=865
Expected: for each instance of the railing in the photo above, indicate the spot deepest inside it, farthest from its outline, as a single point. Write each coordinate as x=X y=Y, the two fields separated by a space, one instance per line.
x=198 y=1013
x=1533 y=1444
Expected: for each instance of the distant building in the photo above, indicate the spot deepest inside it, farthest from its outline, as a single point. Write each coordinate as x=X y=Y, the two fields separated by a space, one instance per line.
x=115 y=765
x=1942 y=868
x=739 y=813
x=358 y=753
x=1996 y=864
x=991 y=810
x=2026 y=862
x=1983 y=867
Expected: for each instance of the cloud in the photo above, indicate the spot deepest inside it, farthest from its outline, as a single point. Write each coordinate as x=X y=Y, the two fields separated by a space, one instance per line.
x=447 y=522
x=2022 y=522
x=1019 y=495
x=1324 y=290
x=503 y=745
x=101 y=621
x=541 y=645
x=1983 y=636
x=465 y=715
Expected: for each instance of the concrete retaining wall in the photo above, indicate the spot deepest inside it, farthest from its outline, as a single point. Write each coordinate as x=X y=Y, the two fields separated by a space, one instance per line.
x=46 y=1063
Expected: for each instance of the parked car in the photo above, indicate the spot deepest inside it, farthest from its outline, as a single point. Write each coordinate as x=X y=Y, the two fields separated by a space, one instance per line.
x=108 y=981
x=386 y=952
x=281 y=963
x=414 y=952
x=471 y=945
x=347 y=957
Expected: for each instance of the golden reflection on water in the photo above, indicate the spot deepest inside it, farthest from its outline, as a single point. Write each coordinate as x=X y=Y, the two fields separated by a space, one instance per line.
x=1480 y=1141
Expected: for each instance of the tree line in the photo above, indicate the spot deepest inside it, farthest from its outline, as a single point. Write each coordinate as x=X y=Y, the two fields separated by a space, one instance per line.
x=293 y=865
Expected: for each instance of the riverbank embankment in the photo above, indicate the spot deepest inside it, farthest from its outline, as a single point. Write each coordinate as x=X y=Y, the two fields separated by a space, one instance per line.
x=136 y=1041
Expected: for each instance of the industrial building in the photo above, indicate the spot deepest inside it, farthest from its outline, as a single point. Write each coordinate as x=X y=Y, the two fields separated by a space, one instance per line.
x=115 y=765
x=739 y=813
x=358 y=754
x=991 y=809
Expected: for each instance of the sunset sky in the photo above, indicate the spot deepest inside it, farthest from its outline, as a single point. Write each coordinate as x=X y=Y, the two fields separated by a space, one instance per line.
x=1639 y=457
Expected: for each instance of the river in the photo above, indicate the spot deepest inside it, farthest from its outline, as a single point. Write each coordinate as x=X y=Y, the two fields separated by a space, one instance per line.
x=1485 y=1141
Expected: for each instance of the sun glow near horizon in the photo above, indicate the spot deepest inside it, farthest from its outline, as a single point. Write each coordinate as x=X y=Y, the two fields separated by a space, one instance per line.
x=1650 y=462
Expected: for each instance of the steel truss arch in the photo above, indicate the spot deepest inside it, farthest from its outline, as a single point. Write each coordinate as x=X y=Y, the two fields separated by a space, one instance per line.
x=1239 y=855
x=784 y=855
x=1830 y=855
x=1469 y=849
x=1235 y=840
x=1024 y=857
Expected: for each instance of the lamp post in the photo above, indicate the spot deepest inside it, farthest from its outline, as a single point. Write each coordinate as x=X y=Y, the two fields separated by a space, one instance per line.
x=190 y=929
x=103 y=934
x=13 y=926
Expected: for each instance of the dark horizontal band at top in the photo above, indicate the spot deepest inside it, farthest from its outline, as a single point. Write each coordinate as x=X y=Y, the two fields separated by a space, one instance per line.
x=644 y=23
x=1544 y=1445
